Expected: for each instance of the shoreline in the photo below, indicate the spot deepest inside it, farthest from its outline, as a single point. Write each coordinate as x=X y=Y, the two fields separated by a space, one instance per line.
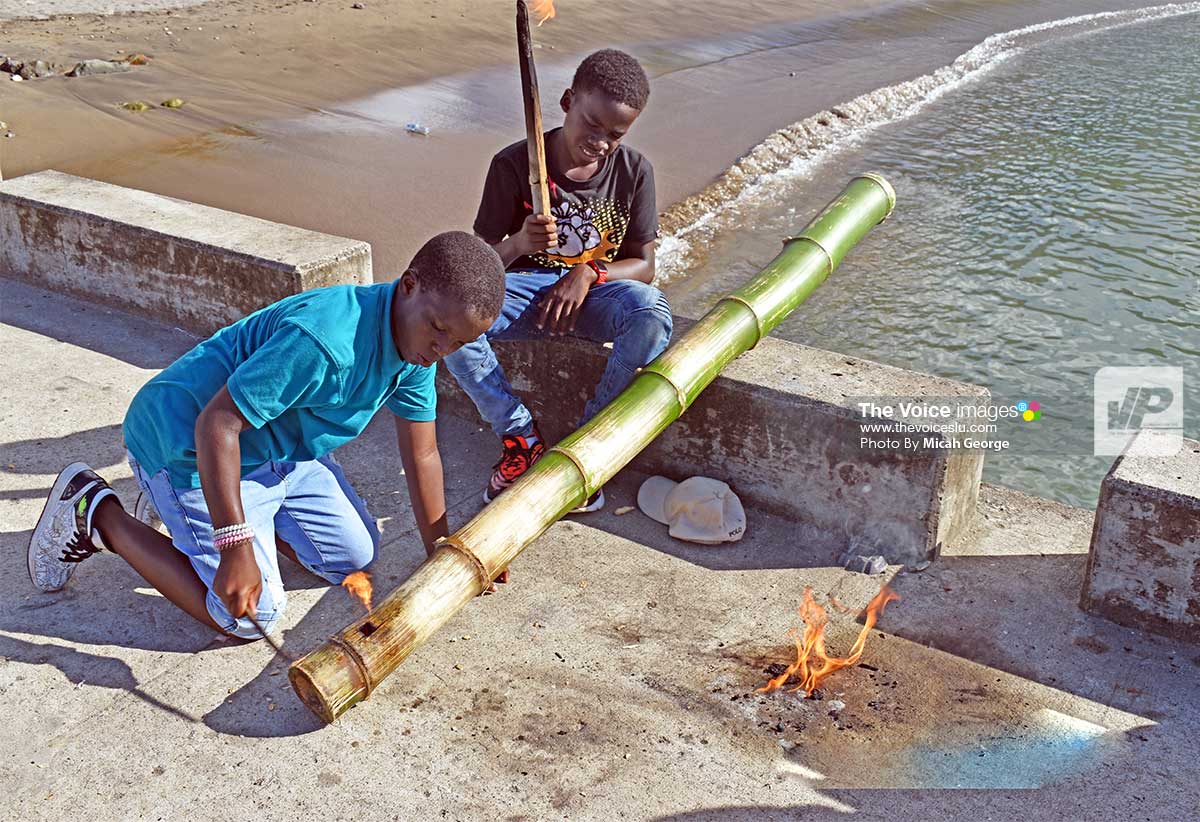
x=237 y=144
x=801 y=148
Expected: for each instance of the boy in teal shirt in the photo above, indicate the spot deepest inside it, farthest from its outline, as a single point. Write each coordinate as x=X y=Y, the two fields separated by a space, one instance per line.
x=232 y=442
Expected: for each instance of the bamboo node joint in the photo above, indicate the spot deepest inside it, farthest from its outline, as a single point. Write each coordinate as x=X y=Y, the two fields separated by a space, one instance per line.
x=357 y=660
x=583 y=474
x=476 y=563
x=758 y=325
x=824 y=250
x=680 y=396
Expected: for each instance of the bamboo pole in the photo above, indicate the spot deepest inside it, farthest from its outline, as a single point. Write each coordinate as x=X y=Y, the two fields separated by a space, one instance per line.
x=534 y=139
x=351 y=664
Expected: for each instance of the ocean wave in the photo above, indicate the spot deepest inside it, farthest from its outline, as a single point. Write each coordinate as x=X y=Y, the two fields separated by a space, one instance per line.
x=799 y=148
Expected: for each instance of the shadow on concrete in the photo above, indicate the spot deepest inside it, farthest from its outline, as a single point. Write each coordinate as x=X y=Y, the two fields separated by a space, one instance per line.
x=1019 y=614
x=80 y=668
x=100 y=448
x=101 y=605
x=267 y=706
x=135 y=340
x=770 y=542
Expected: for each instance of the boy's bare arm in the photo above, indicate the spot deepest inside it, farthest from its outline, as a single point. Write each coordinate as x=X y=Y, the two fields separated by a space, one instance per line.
x=426 y=484
x=218 y=459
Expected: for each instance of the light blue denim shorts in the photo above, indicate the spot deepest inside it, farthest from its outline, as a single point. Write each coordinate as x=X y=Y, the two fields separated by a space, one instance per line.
x=309 y=505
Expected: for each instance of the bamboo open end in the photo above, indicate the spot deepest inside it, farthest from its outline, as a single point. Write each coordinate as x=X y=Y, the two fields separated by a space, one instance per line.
x=328 y=681
x=889 y=192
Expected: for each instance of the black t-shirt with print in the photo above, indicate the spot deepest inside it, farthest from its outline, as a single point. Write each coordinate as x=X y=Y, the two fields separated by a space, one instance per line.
x=603 y=218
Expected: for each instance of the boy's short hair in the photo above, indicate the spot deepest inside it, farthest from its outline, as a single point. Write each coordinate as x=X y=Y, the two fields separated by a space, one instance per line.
x=615 y=74
x=463 y=268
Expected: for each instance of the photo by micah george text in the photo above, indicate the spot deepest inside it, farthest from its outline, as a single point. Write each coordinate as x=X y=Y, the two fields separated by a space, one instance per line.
x=913 y=425
x=232 y=442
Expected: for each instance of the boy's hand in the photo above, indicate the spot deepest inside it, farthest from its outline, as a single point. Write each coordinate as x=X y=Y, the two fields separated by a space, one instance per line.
x=239 y=581
x=560 y=306
x=538 y=233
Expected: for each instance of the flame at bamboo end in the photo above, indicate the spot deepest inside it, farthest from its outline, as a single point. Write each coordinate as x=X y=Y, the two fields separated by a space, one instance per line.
x=359 y=584
x=813 y=663
x=544 y=9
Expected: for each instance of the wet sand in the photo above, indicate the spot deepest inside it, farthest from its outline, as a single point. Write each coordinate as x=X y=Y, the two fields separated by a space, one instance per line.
x=295 y=111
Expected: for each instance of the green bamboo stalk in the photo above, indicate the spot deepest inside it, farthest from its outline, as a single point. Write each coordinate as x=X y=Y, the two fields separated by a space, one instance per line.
x=351 y=664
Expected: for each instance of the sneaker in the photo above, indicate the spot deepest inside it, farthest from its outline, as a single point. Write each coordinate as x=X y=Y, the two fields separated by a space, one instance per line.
x=64 y=536
x=520 y=453
x=593 y=503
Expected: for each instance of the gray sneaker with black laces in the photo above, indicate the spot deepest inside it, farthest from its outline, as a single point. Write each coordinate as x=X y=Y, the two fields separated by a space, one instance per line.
x=65 y=536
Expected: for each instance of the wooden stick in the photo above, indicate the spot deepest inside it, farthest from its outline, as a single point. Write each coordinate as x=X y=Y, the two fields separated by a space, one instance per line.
x=270 y=639
x=538 y=180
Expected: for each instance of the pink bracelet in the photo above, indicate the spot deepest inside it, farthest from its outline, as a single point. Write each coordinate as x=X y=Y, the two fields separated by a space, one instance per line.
x=232 y=535
x=227 y=542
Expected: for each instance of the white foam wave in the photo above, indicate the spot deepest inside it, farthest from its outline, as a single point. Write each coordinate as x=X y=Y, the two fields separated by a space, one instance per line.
x=799 y=148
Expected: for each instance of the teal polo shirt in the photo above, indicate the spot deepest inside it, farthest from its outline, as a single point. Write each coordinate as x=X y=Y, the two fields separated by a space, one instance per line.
x=308 y=373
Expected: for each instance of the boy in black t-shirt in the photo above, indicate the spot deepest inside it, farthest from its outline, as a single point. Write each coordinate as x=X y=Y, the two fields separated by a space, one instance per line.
x=585 y=270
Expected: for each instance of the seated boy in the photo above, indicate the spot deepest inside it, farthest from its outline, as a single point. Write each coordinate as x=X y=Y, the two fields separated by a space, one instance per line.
x=232 y=442
x=585 y=270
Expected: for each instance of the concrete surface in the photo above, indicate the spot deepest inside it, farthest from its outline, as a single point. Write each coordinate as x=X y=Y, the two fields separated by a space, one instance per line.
x=780 y=425
x=1143 y=567
x=185 y=264
x=612 y=679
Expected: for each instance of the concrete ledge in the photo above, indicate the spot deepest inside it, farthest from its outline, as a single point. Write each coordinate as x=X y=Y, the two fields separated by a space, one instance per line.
x=196 y=267
x=1143 y=568
x=780 y=426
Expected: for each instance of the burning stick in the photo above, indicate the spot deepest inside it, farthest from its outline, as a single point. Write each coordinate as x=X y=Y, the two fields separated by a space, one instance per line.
x=812 y=662
x=538 y=183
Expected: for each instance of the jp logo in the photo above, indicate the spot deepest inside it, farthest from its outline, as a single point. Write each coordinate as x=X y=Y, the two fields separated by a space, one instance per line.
x=1138 y=411
x=1139 y=401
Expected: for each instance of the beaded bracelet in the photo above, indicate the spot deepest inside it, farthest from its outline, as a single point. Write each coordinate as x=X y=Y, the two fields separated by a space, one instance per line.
x=232 y=535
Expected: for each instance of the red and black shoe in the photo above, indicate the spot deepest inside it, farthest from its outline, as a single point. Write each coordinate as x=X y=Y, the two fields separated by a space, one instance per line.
x=520 y=453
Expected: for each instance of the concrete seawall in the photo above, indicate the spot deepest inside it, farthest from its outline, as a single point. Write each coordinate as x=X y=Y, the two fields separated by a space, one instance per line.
x=1143 y=567
x=189 y=265
x=780 y=426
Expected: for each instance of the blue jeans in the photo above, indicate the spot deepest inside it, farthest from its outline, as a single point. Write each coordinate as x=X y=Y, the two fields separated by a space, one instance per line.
x=310 y=505
x=631 y=315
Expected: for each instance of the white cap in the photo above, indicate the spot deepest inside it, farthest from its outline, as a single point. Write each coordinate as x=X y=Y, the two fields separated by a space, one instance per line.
x=699 y=509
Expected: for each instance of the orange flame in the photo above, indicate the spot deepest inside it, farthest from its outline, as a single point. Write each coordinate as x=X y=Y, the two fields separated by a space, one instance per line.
x=812 y=663
x=359 y=584
x=544 y=9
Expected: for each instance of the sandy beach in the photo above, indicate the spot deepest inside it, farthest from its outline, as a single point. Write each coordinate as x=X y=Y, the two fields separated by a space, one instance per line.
x=295 y=111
